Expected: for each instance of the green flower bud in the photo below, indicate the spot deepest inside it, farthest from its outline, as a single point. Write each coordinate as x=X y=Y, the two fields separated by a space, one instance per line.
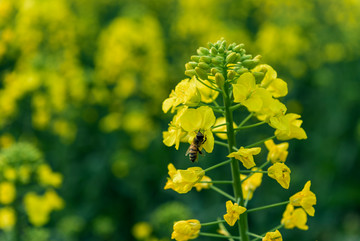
x=238 y=56
x=250 y=63
x=214 y=71
x=205 y=59
x=204 y=65
x=258 y=76
x=213 y=51
x=238 y=47
x=195 y=58
x=245 y=57
x=201 y=73
x=242 y=70
x=217 y=60
x=231 y=74
x=231 y=46
x=188 y=66
x=190 y=72
x=203 y=51
x=231 y=58
x=219 y=79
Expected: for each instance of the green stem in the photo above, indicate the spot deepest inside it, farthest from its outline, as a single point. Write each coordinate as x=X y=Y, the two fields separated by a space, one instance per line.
x=260 y=142
x=219 y=132
x=254 y=235
x=217 y=235
x=210 y=87
x=223 y=124
x=212 y=223
x=243 y=222
x=222 y=193
x=252 y=173
x=234 y=107
x=220 y=143
x=250 y=126
x=267 y=206
x=245 y=120
x=217 y=165
x=217 y=182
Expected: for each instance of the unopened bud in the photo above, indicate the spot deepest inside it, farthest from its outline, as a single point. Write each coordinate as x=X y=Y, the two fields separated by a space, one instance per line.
x=231 y=74
x=204 y=65
x=258 y=76
x=219 y=79
x=188 y=66
x=238 y=47
x=250 y=63
x=213 y=51
x=205 y=59
x=231 y=58
x=190 y=72
x=242 y=70
x=245 y=57
x=214 y=71
x=203 y=51
x=195 y=58
x=201 y=73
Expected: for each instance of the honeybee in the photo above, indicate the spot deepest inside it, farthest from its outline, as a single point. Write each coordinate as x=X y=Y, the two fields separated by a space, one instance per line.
x=195 y=146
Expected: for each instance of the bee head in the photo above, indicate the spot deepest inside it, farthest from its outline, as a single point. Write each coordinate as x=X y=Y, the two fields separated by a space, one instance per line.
x=200 y=136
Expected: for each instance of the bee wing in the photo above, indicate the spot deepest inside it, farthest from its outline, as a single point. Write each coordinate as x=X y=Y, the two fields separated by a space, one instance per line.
x=188 y=151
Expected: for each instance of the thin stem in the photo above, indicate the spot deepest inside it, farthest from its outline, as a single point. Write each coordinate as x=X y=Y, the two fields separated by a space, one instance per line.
x=245 y=120
x=217 y=165
x=250 y=126
x=252 y=173
x=267 y=206
x=234 y=107
x=223 y=193
x=216 y=110
x=260 y=142
x=214 y=107
x=219 y=132
x=254 y=235
x=212 y=223
x=210 y=87
x=223 y=124
x=217 y=235
x=220 y=143
x=217 y=182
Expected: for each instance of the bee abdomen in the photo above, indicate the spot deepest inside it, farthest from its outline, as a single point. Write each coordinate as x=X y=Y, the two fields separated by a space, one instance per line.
x=193 y=153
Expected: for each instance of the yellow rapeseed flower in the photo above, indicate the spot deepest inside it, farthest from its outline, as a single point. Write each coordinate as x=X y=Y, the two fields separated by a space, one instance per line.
x=281 y=173
x=175 y=133
x=10 y=173
x=220 y=121
x=186 y=229
x=243 y=87
x=277 y=87
x=200 y=119
x=245 y=155
x=199 y=186
x=207 y=95
x=7 y=192
x=48 y=177
x=273 y=236
x=250 y=184
x=141 y=230
x=305 y=198
x=294 y=218
x=186 y=93
x=7 y=218
x=233 y=211
x=277 y=153
x=288 y=127
x=182 y=181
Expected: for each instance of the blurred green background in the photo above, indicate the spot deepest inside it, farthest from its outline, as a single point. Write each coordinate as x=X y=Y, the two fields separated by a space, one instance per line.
x=83 y=81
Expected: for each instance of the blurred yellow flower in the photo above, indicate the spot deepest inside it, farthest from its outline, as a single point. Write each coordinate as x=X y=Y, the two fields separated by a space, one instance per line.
x=7 y=218
x=277 y=153
x=175 y=133
x=7 y=192
x=233 y=211
x=281 y=173
x=305 y=198
x=141 y=230
x=245 y=155
x=221 y=121
x=250 y=184
x=186 y=229
x=48 y=177
x=294 y=218
x=200 y=186
x=182 y=181
x=10 y=173
x=207 y=95
x=273 y=236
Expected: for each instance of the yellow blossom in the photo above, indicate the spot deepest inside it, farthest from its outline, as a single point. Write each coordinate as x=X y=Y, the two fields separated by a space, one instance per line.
x=141 y=230
x=199 y=186
x=233 y=211
x=277 y=153
x=277 y=87
x=7 y=192
x=207 y=95
x=287 y=127
x=281 y=173
x=200 y=119
x=182 y=181
x=10 y=173
x=243 y=87
x=175 y=133
x=245 y=155
x=7 y=218
x=294 y=218
x=305 y=198
x=250 y=184
x=185 y=93
x=186 y=229
x=48 y=177
x=273 y=236
x=220 y=121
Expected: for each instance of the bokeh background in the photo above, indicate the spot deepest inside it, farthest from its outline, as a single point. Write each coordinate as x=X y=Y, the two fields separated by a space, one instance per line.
x=83 y=82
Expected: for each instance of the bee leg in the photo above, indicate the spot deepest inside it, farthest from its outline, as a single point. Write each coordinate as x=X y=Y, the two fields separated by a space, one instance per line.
x=199 y=151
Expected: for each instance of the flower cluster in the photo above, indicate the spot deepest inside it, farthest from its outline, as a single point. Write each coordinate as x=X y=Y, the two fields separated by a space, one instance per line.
x=226 y=71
